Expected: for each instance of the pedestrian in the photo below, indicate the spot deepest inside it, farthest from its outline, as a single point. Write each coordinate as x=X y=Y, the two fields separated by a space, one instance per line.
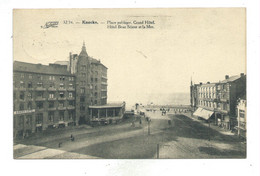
x=60 y=144
x=140 y=121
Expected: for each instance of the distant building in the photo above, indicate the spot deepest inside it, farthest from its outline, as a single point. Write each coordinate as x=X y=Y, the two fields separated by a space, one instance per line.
x=62 y=94
x=241 y=117
x=218 y=100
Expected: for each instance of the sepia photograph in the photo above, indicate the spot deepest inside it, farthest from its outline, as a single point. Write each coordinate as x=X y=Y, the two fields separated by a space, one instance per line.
x=159 y=83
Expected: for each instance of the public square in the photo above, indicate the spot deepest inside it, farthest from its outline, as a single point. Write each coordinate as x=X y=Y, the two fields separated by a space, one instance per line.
x=182 y=137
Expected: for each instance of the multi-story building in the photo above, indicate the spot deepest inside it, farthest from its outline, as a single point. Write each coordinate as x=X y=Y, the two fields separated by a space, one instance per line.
x=218 y=99
x=241 y=117
x=61 y=94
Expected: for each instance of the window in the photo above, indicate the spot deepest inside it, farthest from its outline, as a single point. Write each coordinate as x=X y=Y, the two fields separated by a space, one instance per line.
x=61 y=104
x=62 y=78
x=70 y=94
x=21 y=120
x=51 y=104
x=22 y=75
x=29 y=105
x=39 y=84
x=95 y=94
x=21 y=84
x=91 y=79
x=21 y=95
x=51 y=78
x=95 y=87
x=241 y=113
x=82 y=107
x=71 y=78
x=61 y=86
x=52 y=85
x=29 y=84
x=83 y=74
x=51 y=95
x=62 y=95
x=71 y=103
x=21 y=107
x=95 y=101
x=39 y=118
x=82 y=99
x=39 y=105
x=61 y=115
x=71 y=115
x=71 y=86
x=39 y=94
x=82 y=90
x=51 y=116
x=83 y=67
x=30 y=76
x=28 y=120
x=96 y=79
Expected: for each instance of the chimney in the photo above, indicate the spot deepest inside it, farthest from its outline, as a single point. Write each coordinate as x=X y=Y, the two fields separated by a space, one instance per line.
x=242 y=74
x=200 y=83
x=208 y=82
x=226 y=76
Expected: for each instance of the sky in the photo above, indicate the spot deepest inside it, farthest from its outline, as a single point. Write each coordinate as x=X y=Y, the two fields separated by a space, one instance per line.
x=198 y=44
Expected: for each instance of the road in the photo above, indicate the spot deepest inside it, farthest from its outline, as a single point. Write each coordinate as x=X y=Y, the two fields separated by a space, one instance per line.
x=183 y=138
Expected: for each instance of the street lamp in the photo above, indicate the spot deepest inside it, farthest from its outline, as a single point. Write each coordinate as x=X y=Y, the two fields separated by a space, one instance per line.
x=209 y=127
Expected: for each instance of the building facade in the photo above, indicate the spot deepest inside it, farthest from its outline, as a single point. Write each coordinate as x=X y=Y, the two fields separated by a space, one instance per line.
x=241 y=117
x=218 y=100
x=60 y=94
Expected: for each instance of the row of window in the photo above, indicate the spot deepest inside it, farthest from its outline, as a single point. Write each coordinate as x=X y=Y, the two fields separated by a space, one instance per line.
x=39 y=118
x=51 y=78
x=40 y=85
x=213 y=104
x=39 y=105
x=41 y=95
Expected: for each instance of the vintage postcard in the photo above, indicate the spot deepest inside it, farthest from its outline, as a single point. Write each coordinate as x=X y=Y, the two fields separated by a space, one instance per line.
x=158 y=83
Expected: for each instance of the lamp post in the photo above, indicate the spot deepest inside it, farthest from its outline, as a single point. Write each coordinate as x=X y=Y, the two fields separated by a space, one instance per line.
x=209 y=128
x=149 y=126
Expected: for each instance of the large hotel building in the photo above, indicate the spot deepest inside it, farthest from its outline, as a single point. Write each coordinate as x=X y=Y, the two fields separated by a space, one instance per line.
x=65 y=93
x=218 y=100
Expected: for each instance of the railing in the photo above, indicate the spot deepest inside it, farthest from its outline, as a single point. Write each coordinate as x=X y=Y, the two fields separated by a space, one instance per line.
x=52 y=99
x=40 y=99
x=51 y=89
x=71 y=98
x=71 y=89
x=40 y=89
x=71 y=107
x=62 y=98
x=61 y=108
x=52 y=109
x=62 y=89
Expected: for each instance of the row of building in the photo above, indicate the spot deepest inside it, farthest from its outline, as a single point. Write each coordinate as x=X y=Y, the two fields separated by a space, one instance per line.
x=222 y=102
x=61 y=94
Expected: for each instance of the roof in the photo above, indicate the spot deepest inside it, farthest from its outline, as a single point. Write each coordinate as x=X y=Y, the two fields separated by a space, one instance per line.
x=62 y=62
x=52 y=69
x=109 y=105
x=230 y=79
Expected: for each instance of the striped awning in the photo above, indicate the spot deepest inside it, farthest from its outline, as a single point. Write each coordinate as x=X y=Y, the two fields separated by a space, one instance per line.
x=205 y=114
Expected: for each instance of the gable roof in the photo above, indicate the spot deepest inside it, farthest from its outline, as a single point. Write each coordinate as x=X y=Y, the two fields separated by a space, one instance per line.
x=230 y=79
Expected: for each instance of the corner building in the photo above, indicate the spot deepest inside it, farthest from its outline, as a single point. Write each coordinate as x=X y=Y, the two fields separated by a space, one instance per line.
x=65 y=93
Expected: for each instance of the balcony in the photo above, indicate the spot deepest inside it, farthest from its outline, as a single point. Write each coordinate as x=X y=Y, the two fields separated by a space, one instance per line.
x=104 y=90
x=61 y=108
x=104 y=83
x=62 y=89
x=39 y=124
x=40 y=89
x=71 y=107
x=62 y=98
x=52 y=109
x=31 y=89
x=104 y=97
x=52 y=99
x=51 y=89
x=40 y=99
x=71 y=98
x=71 y=89
x=223 y=100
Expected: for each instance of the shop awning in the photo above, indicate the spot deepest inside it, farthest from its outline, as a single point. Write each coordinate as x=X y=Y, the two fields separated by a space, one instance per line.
x=205 y=114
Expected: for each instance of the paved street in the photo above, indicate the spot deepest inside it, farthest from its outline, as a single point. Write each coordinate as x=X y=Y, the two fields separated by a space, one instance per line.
x=183 y=138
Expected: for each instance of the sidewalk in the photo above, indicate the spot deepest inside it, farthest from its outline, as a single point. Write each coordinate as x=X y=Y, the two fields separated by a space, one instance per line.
x=213 y=126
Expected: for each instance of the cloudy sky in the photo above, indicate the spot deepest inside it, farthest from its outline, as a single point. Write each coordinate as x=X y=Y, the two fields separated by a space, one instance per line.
x=205 y=44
